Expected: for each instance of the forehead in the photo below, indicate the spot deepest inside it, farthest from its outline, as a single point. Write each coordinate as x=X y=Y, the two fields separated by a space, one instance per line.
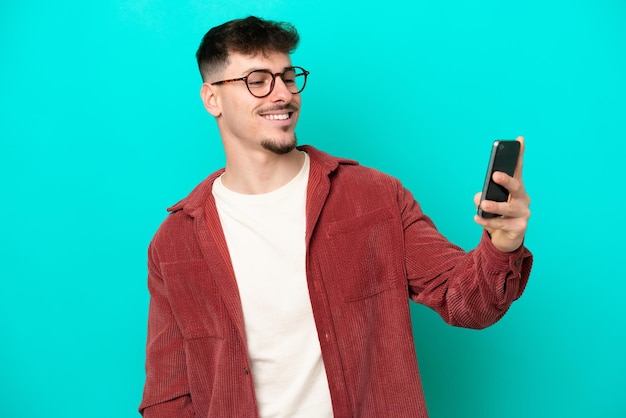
x=243 y=64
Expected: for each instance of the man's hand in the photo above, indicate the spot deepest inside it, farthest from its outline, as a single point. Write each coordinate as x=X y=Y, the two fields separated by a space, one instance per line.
x=507 y=231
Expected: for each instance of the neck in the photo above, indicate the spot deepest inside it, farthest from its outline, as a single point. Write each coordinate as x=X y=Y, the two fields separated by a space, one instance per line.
x=261 y=172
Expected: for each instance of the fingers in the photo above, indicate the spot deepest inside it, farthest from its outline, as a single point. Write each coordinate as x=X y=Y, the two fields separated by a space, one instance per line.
x=513 y=225
x=477 y=198
x=514 y=185
x=507 y=234
x=517 y=204
x=511 y=209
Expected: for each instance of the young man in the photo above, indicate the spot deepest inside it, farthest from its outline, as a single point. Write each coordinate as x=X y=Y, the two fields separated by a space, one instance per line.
x=280 y=285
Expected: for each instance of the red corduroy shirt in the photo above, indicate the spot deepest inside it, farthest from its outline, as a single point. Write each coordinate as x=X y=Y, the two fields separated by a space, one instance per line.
x=369 y=249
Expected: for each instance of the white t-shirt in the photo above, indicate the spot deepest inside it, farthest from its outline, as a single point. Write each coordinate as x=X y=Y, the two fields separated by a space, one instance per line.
x=265 y=235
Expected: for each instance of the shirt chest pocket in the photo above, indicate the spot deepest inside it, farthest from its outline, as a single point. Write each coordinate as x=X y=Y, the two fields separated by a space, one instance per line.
x=195 y=301
x=365 y=255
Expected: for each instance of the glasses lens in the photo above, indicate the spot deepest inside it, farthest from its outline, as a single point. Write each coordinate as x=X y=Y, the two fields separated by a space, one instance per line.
x=294 y=79
x=259 y=83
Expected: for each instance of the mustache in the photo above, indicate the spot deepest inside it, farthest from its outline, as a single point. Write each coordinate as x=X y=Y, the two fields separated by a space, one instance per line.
x=288 y=107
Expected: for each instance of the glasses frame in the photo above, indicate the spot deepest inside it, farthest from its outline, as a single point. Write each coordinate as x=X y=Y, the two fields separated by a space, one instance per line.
x=305 y=73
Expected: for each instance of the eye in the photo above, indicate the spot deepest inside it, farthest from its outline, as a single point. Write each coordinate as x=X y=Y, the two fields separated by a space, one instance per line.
x=258 y=79
x=289 y=77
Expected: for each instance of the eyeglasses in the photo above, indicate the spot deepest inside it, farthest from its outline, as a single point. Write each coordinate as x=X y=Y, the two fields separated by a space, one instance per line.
x=261 y=83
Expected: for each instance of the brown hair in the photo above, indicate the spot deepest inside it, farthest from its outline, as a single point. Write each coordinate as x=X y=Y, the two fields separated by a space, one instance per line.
x=247 y=36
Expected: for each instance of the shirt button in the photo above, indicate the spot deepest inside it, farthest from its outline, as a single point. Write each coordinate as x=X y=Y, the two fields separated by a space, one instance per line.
x=246 y=370
x=517 y=262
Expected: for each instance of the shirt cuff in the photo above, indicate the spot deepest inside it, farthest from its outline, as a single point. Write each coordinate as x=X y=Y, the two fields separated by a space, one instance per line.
x=500 y=260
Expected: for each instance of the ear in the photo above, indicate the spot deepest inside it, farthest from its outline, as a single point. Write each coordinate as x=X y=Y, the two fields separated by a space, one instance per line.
x=210 y=99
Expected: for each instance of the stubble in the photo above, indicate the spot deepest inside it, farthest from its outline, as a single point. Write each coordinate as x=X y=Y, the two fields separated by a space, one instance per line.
x=278 y=147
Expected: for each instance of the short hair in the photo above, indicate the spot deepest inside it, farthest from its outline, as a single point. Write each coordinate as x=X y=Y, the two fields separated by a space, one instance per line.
x=248 y=36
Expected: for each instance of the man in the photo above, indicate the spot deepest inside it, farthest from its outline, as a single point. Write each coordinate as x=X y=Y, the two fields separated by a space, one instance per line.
x=280 y=285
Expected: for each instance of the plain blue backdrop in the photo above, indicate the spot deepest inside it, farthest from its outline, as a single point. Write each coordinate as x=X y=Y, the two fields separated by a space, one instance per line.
x=102 y=128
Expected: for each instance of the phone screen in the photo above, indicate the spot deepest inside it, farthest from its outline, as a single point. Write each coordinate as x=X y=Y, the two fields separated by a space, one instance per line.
x=504 y=155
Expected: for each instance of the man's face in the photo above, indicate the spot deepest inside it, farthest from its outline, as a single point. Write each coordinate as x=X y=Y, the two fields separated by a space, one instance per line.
x=251 y=122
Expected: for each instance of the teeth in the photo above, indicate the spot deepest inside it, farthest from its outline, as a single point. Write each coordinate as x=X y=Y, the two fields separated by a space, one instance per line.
x=283 y=116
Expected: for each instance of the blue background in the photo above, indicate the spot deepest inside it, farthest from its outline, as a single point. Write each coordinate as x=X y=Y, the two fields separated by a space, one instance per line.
x=102 y=128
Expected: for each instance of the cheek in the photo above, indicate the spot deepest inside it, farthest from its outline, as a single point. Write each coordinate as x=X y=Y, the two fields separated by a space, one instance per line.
x=237 y=104
x=241 y=120
x=238 y=113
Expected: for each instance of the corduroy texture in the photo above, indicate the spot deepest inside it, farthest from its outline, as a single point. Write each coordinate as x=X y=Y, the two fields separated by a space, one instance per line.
x=369 y=249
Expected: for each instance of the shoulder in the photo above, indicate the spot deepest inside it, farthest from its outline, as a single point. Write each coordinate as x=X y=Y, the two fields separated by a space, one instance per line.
x=179 y=224
x=344 y=170
x=196 y=199
x=364 y=178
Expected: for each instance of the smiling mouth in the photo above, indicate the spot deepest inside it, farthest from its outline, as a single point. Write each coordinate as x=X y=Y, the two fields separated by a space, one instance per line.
x=278 y=116
x=278 y=113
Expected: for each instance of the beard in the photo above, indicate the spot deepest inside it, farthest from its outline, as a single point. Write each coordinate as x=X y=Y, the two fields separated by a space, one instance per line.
x=278 y=147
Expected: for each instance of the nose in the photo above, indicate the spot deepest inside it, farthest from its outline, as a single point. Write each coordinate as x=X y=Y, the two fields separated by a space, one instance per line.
x=280 y=91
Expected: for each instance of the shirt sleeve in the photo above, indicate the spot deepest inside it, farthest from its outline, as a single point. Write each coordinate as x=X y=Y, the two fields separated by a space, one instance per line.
x=166 y=390
x=468 y=289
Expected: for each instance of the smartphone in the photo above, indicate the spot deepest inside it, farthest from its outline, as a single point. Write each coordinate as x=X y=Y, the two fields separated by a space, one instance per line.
x=504 y=156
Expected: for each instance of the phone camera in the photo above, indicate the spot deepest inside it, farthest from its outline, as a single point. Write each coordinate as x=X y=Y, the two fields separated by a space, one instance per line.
x=500 y=147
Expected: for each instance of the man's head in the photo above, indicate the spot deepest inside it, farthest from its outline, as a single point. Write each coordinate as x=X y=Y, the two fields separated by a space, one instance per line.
x=249 y=36
x=250 y=85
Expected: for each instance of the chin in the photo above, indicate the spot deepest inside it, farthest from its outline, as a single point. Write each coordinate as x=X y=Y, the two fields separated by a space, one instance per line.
x=280 y=147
